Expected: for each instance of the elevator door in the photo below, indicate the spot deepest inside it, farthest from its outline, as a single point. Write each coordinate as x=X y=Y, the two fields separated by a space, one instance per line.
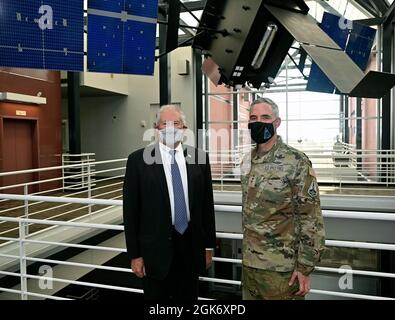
x=18 y=151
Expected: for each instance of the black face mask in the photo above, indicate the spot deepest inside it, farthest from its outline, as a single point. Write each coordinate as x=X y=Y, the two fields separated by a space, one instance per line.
x=261 y=132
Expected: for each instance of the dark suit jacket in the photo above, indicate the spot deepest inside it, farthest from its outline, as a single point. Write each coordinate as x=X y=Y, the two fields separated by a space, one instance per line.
x=147 y=212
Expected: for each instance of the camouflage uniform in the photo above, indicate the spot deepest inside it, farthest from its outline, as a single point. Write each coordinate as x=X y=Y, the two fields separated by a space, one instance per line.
x=261 y=284
x=282 y=221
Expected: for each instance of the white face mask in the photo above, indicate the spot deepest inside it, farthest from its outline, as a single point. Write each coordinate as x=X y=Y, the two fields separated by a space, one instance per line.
x=171 y=136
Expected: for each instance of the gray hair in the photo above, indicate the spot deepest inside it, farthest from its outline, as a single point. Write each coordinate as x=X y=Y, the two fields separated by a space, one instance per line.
x=171 y=107
x=269 y=102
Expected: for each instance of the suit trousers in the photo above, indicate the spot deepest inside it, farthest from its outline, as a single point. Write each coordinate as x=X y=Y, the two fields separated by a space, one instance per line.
x=181 y=282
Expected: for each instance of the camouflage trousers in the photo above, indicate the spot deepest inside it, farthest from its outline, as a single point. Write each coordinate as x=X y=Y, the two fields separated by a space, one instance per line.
x=260 y=284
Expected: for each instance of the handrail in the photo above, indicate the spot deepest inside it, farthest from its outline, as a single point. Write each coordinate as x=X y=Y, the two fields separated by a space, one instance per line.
x=4 y=174
x=222 y=208
x=25 y=293
x=61 y=199
x=78 y=155
x=335 y=168
x=65 y=223
x=325 y=213
x=33 y=294
x=360 y=155
x=68 y=196
x=235 y=209
x=223 y=235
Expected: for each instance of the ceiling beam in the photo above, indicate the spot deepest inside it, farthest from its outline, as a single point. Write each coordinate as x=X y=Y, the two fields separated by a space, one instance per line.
x=390 y=12
x=380 y=6
x=366 y=7
x=379 y=21
x=194 y=5
x=327 y=7
x=187 y=31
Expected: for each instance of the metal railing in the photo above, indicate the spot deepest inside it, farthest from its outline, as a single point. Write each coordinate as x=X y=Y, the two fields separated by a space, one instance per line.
x=346 y=167
x=336 y=166
x=225 y=164
x=80 y=177
x=110 y=189
x=24 y=240
x=112 y=172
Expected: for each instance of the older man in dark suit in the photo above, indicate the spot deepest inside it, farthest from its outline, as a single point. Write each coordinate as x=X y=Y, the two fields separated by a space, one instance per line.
x=169 y=212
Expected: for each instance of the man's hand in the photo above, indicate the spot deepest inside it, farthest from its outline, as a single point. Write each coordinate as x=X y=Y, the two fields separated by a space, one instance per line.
x=138 y=268
x=209 y=258
x=304 y=283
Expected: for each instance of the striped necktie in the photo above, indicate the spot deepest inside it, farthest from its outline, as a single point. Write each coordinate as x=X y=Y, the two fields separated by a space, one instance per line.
x=180 y=209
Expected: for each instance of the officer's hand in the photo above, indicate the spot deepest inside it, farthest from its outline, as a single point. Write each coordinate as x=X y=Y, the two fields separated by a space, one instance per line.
x=304 y=283
x=209 y=258
x=138 y=268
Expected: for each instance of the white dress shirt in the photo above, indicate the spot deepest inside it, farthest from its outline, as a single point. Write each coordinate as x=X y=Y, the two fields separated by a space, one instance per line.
x=180 y=159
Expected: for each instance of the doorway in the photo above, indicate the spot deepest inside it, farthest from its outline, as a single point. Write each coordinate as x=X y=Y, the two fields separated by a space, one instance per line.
x=20 y=152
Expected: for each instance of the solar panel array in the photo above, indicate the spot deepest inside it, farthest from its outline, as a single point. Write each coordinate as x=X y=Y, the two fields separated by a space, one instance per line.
x=357 y=42
x=122 y=36
x=49 y=35
x=42 y=36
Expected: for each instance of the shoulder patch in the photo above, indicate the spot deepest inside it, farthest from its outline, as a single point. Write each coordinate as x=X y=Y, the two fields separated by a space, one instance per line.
x=313 y=189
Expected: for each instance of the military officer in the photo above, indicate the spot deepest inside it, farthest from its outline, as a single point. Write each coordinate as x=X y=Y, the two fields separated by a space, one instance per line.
x=283 y=227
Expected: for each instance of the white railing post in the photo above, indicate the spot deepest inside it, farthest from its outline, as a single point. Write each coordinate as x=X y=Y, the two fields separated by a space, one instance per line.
x=391 y=154
x=26 y=204
x=82 y=160
x=340 y=183
x=22 y=259
x=387 y=162
x=89 y=184
x=63 y=171
x=222 y=174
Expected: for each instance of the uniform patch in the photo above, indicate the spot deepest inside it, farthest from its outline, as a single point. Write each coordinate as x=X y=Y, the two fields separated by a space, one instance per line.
x=313 y=189
x=274 y=167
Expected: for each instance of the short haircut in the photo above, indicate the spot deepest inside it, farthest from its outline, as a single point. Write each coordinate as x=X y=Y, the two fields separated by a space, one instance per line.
x=269 y=102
